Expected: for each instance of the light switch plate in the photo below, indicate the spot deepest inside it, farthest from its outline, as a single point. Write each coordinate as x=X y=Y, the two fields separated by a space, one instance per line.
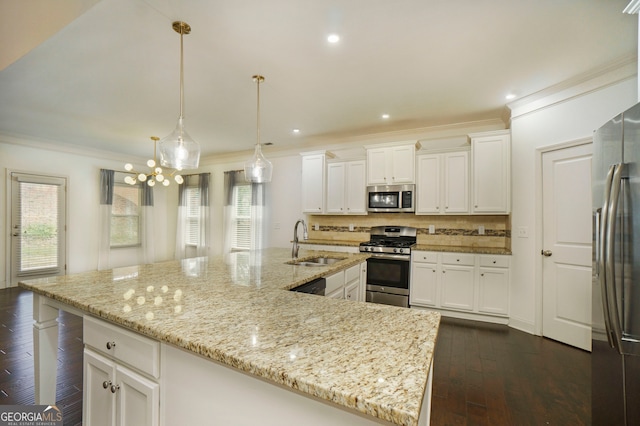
x=316 y=227
x=351 y=227
x=523 y=232
x=432 y=229
x=481 y=230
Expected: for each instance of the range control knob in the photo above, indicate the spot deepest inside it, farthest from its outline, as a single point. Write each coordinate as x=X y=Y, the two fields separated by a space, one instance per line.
x=401 y=250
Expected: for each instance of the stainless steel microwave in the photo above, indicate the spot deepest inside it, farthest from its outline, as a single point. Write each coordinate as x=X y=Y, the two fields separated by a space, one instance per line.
x=391 y=198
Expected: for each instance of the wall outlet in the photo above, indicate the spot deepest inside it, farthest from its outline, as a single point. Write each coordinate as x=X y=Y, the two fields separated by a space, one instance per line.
x=432 y=229
x=316 y=226
x=481 y=230
x=523 y=232
x=351 y=227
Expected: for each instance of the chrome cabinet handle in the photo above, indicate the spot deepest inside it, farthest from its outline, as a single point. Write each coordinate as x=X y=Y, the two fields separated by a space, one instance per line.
x=111 y=345
x=546 y=253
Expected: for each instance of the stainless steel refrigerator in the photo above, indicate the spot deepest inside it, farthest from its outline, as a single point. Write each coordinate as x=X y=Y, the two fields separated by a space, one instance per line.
x=615 y=342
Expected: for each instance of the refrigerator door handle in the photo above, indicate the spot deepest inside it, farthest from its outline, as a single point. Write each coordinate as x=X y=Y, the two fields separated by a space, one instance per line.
x=596 y=218
x=610 y=281
x=601 y=255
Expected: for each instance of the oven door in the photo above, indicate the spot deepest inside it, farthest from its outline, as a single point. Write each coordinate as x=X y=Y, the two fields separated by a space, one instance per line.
x=388 y=274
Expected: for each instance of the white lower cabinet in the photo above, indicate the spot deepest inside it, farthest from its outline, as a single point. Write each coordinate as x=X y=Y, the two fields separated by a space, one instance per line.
x=347 y=284
x=475 y=286
x=115 y=392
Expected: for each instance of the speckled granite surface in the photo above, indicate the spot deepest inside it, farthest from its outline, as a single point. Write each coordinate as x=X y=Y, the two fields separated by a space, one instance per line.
x=462 y=249
x=368 y=357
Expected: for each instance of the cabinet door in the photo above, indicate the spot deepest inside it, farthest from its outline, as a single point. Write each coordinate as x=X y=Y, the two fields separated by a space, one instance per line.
x=138 y=399
x=98 y=401
x=428 y=185
x=490 y=164
x=313 y=183
x=456 y=182
x=336 y=188
x=352 y=291
x=424 y=278
x=377 y=166
x=403 y=164
x=457 y=287
x=356 y=187
x=493 y=291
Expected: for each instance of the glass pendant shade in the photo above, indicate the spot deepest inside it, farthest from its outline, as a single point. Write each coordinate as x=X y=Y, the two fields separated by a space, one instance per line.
x=258 y=169
x=178 y=150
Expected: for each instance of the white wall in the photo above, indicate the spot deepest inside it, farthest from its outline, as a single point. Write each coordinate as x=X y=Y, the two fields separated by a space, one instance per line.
x=82 y=172
x=564 y=121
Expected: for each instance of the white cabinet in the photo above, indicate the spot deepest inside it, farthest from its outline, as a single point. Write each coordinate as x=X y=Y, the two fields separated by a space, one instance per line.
x=443 y=183
x=423 y=289
x=347 y=284
x=346 y=187
x=389 y=165
x=491 y=172
x=463 y=285
x=121 y=370
x=313 y=181
x=493 y=284
x=457 y=283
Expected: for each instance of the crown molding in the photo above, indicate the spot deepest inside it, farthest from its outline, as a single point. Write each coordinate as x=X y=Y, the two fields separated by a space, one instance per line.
x=632 y=7
x=615 y=72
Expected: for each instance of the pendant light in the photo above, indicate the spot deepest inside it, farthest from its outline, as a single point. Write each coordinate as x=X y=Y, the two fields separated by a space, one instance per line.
x=258 y=169
x=178 y=150
x=155 y=175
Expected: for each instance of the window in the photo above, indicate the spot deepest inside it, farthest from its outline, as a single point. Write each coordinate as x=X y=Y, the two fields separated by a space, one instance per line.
x=242 y=217
x=125 y=216
x=192 y=234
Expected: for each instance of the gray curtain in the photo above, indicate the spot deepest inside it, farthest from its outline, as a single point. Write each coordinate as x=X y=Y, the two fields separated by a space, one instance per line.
x=107 y=178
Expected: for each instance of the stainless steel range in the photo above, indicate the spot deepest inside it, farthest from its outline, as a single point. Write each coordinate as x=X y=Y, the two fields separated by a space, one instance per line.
x=389 y=266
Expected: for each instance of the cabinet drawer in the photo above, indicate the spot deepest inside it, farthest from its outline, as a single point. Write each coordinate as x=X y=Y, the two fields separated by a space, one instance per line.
x=352 y=274
x=495 y=261
x=334 y=282
x=425 y=256
x=130 y=348
x=458 y=259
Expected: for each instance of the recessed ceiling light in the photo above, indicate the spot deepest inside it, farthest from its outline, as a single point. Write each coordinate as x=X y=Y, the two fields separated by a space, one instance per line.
x=510 y=96
x=296 y=130
x=385 y=116
x=333 y=38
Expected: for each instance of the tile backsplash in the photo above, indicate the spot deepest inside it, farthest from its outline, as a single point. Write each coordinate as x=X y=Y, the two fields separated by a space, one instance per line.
x=448 y=230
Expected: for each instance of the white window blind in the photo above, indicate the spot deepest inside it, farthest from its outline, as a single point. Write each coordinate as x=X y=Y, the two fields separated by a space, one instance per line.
x=242 y=215
x=125 y=216
x=192 y=234
x=38 y=225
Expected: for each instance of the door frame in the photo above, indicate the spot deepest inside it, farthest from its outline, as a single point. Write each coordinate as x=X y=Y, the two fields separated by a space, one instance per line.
x=539 y=234
x=7 y=226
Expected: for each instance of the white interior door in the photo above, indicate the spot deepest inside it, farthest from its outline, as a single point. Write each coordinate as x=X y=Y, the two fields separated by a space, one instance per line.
x=566 y=250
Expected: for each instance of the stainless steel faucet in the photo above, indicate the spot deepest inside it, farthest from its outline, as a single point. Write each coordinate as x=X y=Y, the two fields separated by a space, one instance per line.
x=305 y=235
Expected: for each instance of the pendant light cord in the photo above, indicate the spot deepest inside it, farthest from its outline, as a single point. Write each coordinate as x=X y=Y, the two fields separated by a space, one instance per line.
x=181 y=74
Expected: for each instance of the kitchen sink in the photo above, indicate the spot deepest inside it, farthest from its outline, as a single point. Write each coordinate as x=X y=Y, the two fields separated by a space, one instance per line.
x=315 y=261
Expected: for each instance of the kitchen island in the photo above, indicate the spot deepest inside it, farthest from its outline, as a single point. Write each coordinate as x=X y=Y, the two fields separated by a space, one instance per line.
x=226 y=321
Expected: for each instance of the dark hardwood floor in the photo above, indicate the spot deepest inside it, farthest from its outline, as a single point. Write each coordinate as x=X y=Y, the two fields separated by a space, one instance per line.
x=483 y=374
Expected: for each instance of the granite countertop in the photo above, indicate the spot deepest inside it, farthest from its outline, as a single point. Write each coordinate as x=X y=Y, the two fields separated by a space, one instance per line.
x=236 y=310
x=342 y=243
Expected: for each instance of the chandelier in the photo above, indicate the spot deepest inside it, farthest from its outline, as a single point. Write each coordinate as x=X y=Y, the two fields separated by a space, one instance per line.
x=157 y=174
x=258 y=169
x=178 y=150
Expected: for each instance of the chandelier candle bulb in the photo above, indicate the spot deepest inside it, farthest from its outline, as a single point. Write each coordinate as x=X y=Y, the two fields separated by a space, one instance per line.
x=155 y=174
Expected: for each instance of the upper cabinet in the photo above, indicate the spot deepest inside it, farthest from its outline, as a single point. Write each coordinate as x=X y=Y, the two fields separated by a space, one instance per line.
x=346 y=187
x=491 y=172
x=314 y=181
x=443 y=183
x=391 y=164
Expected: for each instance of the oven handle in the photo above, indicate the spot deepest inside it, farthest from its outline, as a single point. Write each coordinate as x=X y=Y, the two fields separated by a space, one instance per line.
x=402 y=257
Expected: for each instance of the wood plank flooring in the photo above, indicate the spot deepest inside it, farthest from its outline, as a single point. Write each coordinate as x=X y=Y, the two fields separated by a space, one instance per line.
x=484 y=374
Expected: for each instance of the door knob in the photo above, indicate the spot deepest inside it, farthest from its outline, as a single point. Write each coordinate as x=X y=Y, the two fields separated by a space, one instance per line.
x=546 y=253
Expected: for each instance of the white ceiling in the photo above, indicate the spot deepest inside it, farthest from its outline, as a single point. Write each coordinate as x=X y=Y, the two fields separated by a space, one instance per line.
x=109 y=79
